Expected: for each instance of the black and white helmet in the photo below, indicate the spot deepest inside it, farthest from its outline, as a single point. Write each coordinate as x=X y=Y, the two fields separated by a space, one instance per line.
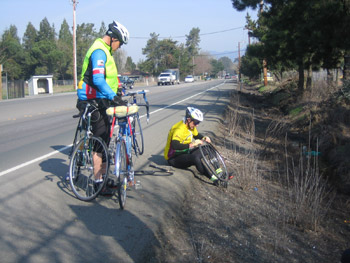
x=194 y=114
x=118 y=31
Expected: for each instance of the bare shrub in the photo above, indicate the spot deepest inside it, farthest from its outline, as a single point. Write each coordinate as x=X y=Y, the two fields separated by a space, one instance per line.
x=320 y=91
x=307 y=190
x=273 y=133
x=240 y=139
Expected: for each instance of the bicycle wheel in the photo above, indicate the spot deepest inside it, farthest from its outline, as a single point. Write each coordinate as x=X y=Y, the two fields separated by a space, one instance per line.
x=214 y=163
x=121 y=171
x=81 y=168
x=137 y=135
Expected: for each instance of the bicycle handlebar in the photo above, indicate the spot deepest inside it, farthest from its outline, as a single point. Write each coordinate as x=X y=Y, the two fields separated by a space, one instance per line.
x=133 y=95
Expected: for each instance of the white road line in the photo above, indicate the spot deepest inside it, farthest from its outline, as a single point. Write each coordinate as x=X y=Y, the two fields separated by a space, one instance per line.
x=66 y=147
x=181 y=101
x=33 y=161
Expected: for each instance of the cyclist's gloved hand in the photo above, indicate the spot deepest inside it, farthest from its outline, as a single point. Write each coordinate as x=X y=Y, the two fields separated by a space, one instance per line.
x=197 y=143
x=206 y=139
x=117 y=101
x=120 y=92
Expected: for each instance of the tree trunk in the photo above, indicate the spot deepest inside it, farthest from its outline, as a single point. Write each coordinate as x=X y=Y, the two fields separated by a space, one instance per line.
x=301 y=78
x=329 y=77
x=346 y=73
x=309 y=78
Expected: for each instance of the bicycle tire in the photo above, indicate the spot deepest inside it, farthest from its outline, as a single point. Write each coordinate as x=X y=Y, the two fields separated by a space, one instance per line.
x=137 y=136
x=121 y=171
x=213 y=162
x=81 y=168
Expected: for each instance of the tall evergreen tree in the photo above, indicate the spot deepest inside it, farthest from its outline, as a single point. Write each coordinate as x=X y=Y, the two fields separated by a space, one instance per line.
x=130 y=65
x=46 y=32
x=103 y=29
x=151 y=51
x=11 y=53
x=192 y=41
x=30 y=37
x=65 y=46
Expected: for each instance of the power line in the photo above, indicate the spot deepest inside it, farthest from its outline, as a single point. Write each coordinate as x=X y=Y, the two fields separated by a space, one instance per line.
x=204 y=34
x=218 y=54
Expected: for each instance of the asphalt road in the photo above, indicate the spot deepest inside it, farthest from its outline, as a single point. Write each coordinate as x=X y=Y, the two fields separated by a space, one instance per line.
x=42 y=221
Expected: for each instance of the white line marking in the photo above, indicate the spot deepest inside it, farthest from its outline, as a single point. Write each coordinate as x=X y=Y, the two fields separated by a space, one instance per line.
x=181 y=101
x=34 y=160
x=66 y=147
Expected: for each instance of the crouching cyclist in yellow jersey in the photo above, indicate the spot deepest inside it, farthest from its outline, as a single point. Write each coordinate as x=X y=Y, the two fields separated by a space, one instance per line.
x=181 y=150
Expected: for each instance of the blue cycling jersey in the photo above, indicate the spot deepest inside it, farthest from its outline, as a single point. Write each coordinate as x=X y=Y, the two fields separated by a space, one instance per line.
x=99 y=87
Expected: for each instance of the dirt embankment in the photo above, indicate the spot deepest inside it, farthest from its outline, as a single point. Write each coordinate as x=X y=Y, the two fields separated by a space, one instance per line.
x=278 y=207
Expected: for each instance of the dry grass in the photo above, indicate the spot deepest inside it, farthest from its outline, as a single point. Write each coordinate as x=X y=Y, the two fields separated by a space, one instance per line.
x=277 y=208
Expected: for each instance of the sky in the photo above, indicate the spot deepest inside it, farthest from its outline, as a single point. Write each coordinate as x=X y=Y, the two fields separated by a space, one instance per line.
x=221 y=26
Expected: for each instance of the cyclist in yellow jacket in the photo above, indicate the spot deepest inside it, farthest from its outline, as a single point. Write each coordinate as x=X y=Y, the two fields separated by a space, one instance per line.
x=181 y=149
x=99 y=83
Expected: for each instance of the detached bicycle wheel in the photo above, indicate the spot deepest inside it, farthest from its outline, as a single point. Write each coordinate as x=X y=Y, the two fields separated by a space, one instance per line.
x=214 y=163
x=137 y=138
x=86 y=153
x=121 y=171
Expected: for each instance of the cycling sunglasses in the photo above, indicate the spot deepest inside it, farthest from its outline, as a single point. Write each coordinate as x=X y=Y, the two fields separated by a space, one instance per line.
x=195 y=122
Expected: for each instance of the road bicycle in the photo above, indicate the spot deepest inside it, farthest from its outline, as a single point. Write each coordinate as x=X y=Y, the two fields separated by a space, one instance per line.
x=85 y=182
x=128 y=140
x=214 y=163
x=87 y=149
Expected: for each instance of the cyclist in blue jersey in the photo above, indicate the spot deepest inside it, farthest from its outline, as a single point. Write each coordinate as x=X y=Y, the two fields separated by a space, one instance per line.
x=99 y=83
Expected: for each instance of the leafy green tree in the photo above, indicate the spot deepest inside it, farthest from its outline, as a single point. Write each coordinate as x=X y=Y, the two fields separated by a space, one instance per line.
x=192 y=44
x=46 y=32
x=168 y=55
x=45 y=50
x=192 y=41
x=151 y=51
x=65 y=46
x=251 y=66
x=30 y=37
x=130 y=65
x=47 y=56
x=103 y=29
x=11 y=55
x=217 y=66
x=185 y=61
x=305 y=34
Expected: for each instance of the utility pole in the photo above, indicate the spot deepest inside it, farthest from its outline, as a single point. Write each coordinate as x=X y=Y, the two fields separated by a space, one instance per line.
x=0 y=81
x=239 y=61
x=264 y=60
x=74 y=47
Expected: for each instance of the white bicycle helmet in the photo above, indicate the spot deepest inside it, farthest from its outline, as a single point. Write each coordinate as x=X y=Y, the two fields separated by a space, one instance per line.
x=194 y=114
x=118 y=31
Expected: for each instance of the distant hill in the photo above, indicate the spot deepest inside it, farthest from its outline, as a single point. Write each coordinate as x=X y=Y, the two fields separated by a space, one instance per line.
x=233 y=55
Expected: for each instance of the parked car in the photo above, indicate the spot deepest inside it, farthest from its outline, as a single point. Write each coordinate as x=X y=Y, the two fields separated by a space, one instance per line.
x=235 y=78
x=126 y=82
x=166 y=78
x=189 y=78
x=227 y=76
